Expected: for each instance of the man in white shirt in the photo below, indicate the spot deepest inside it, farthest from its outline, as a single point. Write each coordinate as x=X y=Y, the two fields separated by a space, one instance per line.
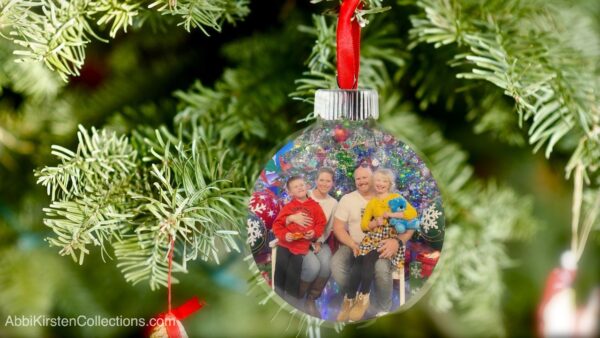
x=347 y=230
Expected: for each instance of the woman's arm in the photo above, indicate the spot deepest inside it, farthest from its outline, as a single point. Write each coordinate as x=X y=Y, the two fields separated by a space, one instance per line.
x=299 y=218
x=320 y=221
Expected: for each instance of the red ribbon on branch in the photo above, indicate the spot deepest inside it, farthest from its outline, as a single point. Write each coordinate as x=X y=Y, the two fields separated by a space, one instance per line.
x=348 y=45
x=170 y=320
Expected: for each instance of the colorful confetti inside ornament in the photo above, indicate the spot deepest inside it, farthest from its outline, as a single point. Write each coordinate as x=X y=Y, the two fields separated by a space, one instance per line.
x=340 y=134
x=344 y=138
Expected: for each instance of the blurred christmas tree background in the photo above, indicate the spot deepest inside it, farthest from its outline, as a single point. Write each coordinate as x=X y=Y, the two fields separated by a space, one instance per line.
x=473 y=86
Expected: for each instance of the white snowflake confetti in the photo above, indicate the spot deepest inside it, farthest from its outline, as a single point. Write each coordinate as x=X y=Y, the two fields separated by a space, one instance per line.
x=429 y=218
x=254 y=232
x=415 y=270
x=258 y=208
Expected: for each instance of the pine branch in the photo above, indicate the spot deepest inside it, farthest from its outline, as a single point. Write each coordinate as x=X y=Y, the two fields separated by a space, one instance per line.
x=101 y=159
x=321 y=62
x=205 y=105
x=191 y=203
x=495 y=116
x=105 y=194
x=369 y=8
x=481 y=218
x=58 y=31
x=200 y=14
x=120 y=14
x=53 y=31
x=247 y=105
x=380 y=48
x=187 y=185
x=31 y=79
x=520 y=49
x=89 y=192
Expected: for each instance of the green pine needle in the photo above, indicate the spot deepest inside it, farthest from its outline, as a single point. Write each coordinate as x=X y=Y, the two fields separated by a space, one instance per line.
x=57 y=32
x=106 y=195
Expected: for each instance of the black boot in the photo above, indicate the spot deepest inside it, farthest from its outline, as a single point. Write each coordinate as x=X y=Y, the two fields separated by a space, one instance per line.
x=313 y=294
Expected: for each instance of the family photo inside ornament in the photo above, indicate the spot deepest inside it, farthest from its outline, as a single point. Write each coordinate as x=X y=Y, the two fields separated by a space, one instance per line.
x=345 y=222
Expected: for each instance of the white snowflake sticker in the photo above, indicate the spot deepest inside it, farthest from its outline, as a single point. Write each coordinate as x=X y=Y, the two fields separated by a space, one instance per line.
x=429 y=218
x=254 y=232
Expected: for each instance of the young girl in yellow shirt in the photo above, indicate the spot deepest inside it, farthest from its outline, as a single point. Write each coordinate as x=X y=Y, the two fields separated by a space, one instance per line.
x=363 y=269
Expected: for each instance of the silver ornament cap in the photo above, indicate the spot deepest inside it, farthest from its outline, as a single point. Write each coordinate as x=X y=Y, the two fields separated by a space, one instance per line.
x=347 y=104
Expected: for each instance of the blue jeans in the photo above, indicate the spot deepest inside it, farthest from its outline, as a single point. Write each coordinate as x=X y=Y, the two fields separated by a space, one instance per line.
x=317 y=265
x=341 y=264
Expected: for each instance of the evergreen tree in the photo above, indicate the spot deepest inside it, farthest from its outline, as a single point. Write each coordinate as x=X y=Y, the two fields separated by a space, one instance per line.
x=124 y=124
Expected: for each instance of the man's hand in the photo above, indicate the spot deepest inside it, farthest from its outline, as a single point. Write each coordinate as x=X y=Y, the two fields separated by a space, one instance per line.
x=310 y=234
x=355 y=249
x=300 y=218
x=389 y=248
x=406 y=236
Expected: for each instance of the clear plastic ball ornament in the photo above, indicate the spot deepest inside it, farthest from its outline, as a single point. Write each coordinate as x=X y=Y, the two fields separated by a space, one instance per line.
x=344 y=139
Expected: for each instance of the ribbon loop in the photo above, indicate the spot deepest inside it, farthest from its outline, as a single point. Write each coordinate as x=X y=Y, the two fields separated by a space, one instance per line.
x=348 y=45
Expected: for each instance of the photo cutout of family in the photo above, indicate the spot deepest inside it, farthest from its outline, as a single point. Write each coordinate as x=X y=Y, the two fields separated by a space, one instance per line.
x=345 y=228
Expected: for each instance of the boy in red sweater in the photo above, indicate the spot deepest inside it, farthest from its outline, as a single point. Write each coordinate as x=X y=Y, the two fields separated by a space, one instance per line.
x=295 y=239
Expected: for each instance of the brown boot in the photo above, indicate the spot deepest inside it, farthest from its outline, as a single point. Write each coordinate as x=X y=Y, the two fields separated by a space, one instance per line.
x=360 y=307
x=314 y=292
x=345 y=310
x=304 y=286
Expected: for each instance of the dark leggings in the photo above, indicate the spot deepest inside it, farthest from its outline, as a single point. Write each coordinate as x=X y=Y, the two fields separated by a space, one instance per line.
x=362 y=274
x=287 y=272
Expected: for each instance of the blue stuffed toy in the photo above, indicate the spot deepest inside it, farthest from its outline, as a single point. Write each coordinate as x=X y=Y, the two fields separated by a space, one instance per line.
x=398 y=204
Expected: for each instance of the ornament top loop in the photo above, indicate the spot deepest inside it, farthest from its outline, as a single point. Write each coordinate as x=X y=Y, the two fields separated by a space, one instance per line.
x=350 y=104
x=348 y=45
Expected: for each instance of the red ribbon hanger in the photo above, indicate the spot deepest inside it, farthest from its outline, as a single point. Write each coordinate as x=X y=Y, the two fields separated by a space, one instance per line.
x=170 y=317
x=348 y=45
